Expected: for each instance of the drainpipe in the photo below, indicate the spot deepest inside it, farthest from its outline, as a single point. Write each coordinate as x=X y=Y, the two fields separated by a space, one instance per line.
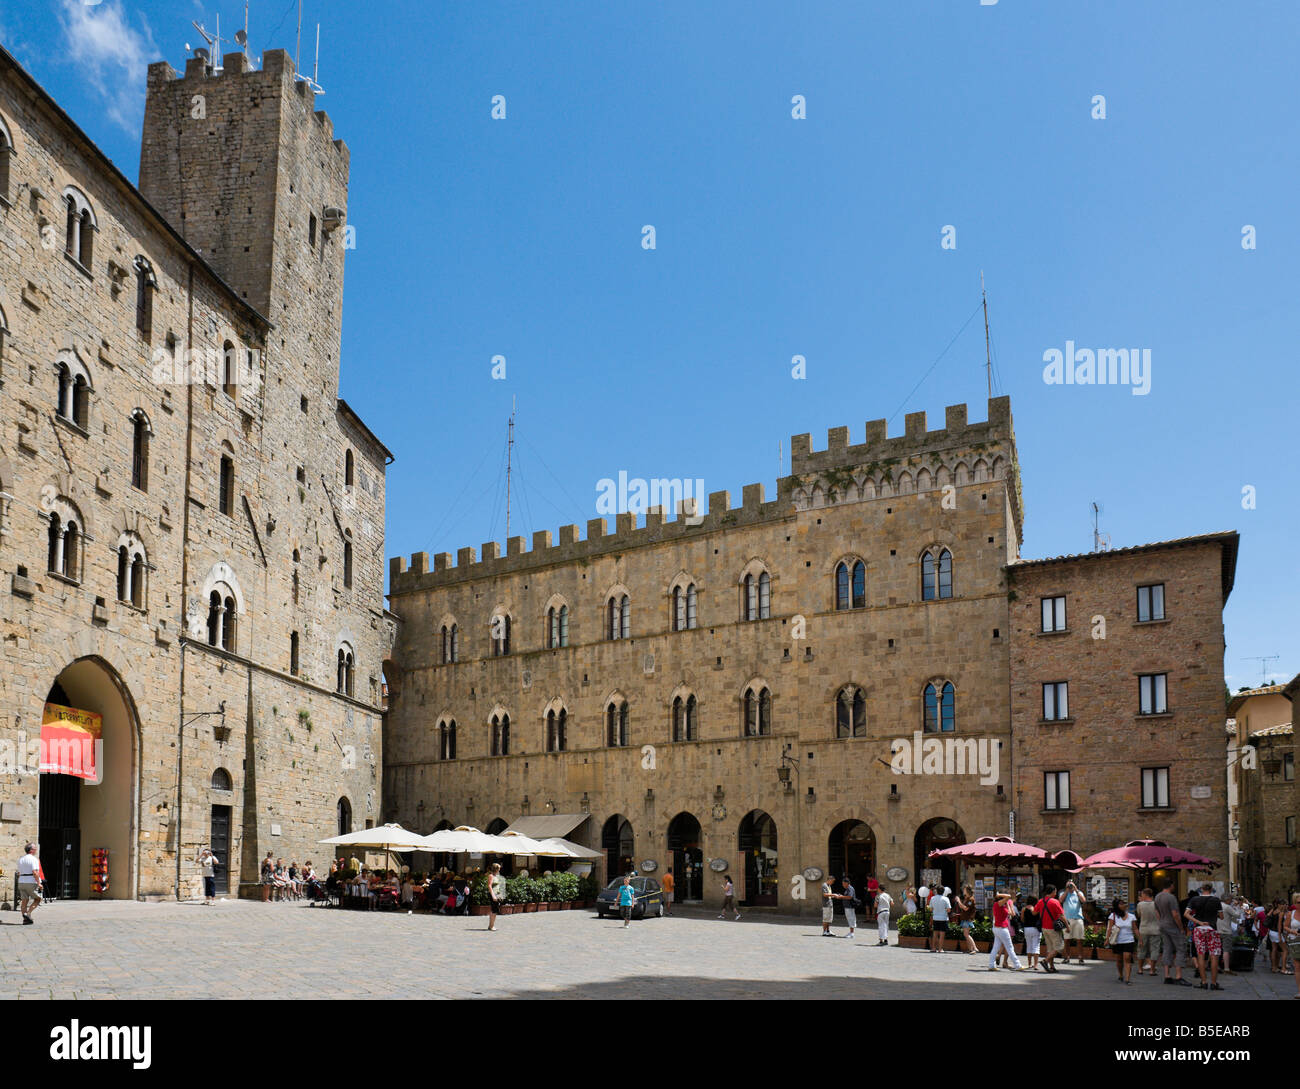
x=185 y=570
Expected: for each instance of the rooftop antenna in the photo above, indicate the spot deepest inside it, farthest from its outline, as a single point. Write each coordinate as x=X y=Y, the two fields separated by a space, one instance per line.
x=297 y=44
x=1263 y=660
x=510 y=446
x=780 y=458
x=1100 y=541
x=988 y=355
x=214 y=42
x=241 y=36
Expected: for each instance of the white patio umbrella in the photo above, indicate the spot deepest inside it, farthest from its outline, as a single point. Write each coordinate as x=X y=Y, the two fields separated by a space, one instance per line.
x=460 y=841
x=520 y=844
x=563 y=848
x=388 y=838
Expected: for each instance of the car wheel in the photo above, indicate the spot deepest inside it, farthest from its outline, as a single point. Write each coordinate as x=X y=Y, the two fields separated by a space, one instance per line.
x=660 y=912
x=599 y=914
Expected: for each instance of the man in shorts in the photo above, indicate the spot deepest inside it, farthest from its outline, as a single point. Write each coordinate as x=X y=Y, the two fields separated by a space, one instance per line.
x=829 y=896
x=940 y=910
x=1072 y=903
x=1149 y=940
x=849 y=897
x=1049 y=910
x=1203 y=913
x=1173 y=941
x=668 y=885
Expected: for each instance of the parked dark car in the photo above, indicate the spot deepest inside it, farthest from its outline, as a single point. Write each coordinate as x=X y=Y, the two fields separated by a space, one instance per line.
x=649 y=898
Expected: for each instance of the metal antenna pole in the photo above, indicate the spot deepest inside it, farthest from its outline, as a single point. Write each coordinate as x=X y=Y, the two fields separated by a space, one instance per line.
x=988 y=355
x=297 y=45
x=510 y=447
x=315 y=70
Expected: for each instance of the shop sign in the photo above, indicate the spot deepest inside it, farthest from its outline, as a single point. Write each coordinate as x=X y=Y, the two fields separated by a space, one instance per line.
x=71 y=742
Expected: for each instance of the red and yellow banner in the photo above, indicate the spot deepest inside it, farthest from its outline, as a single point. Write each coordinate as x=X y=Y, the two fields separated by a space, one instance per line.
x=70 y=741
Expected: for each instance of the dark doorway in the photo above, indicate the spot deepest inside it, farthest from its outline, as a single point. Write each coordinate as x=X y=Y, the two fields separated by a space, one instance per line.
x=618 y=844
x=851 y=850
x=688 y=857
x=935 y=835
x=758 y=845
x=59 y=835
x=220 y=844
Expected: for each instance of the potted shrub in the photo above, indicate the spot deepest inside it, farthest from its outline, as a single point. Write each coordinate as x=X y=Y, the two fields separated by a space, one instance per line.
x=1095 y=940
x=588 y=890
x=570 y=889
x=478 y=895
x=912 y=931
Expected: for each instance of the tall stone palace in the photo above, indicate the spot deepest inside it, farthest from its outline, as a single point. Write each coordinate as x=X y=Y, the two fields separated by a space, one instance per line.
x=191 y=518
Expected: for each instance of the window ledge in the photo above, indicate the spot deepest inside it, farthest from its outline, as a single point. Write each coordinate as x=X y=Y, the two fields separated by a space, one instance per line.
x=1057 y=631
x=1056 y=721
x=78 y=266
x=72 y=426
x=1151 y=623
x=1157 y=809
x=1052 y=812
x=64 y=578
x=1143 y=715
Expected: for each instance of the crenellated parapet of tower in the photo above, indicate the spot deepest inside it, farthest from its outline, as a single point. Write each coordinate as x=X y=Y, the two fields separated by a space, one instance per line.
x=917 y=462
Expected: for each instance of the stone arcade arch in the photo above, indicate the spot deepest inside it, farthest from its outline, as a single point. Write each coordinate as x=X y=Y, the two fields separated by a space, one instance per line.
x=75 y=816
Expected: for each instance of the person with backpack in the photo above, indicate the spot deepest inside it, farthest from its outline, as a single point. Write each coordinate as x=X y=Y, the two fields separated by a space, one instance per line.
x=964 y=906
x=1003 y=910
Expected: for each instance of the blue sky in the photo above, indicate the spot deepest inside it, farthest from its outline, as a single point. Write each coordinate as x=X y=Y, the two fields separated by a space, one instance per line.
x=778 y=237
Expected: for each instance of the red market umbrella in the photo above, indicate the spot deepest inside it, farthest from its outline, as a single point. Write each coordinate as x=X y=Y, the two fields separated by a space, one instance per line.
x=1148 y=854
x=995 y=849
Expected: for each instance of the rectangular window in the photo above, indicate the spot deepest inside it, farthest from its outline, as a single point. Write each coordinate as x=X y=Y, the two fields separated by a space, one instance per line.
x=1288 y=767
x=1290 y=831
x=1151 y=602
x=1152 y=696
x=1053 y=614
x=1056 y=701
x=311 y=229
x=1056 y=790
x=1155 y=788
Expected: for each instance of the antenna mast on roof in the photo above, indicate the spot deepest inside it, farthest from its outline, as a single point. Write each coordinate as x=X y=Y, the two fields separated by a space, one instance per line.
x=988 y=355
x=1263 y=660
x=510 y=447
x=214 y=43
x=1100 y=541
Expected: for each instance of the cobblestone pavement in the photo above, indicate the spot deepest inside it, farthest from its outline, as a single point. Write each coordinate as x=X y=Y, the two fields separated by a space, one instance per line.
x=241 y=949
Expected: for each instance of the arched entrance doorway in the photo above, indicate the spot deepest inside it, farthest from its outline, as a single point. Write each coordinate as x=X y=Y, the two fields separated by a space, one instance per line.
x=79 y=814
x=934 y=835
x=496 y=827
x=685 y=842
x=618 y=844
x=758 y=845
x=851 y=849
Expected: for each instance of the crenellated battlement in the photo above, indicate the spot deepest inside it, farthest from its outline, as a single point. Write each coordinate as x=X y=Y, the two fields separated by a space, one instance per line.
x=960 y=454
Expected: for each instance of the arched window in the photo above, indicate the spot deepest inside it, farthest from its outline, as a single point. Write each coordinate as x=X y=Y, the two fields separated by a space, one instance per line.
x=557 y=626
x=685 y=602
x=936 y=574
x=685 y=718
x=756 y=596
x=6 y=151
x=500 y=727
x=137 y=580
x=500 y=635
x=4 y=322
x=214 y=619
x=940 y=708
x=81 y=227
x=221 y=780
x=349 y=469
x=346 y=671
x=131 y=570
x=71 y=556
x=757 y=712
x=223 y=616
x=145 y=284
x=347 y=564
x=450 y=643
x=56 y=545
x=618 y=617
x=64 y=404
x=230 y=617
x=81 y=402
x=228 y=367
x=140 y=433
x=123 y=573
x=293 y=654
x=850 y=585
x=557 y=723
x=226 y=494
x=447 y=739
x=616 y=724
x=850 y=712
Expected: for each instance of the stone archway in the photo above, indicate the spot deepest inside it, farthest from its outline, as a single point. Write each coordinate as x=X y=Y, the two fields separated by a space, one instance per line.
x=76 y=817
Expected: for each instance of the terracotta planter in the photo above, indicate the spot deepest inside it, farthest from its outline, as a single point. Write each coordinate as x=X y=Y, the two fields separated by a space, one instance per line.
x=912 y=942
x=543 y=906
x=478 y=909
x=1103 y=953
x=529 y=907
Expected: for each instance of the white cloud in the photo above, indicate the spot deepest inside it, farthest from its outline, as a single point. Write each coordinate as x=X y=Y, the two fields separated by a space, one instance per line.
x=111 y=54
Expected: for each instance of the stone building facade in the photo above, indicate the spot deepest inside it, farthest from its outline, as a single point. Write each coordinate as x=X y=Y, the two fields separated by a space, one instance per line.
x=724 y=691
x=191 y=519
x=1268 y=793
x=1117 y=696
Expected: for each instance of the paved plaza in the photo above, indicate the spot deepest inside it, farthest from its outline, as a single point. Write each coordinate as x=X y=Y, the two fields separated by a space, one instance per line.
x=234 y=949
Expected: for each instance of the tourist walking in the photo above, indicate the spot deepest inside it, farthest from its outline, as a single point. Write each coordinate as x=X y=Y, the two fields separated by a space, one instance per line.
x=1149 y=940
x=828 y=906
x=1203 y=913
x=1003 y=910
x=626 y=901
x=496 y=894
x=884 y=904
x=208 y=863
x=1033 y=932
x=31 y=882
x=965 y=908
x=1122 y=928
x=668 y=885
x=1173 y=938
x=1292 y=936
x=1052 y=920
x=1227 y=926
x=940 y=910
x=1276 y=950
x=873 y=890
x=1072 y=902
x=909 y=901
x=850 y=904
x=728 y=897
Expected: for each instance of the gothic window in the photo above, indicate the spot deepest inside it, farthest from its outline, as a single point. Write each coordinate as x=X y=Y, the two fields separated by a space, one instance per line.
x=616 y=723
x=557 y=730
x=756 y=596
x=757 y=708
x=6 y=152
x=936 y=574
x=228 y=368
x=347 y=563
x=685 y=607
x=851 y=585
x=80 y=227
x=346 y=671
x=450 y=643
x=145 y=285
x=940 y=708
x=222 y=618
x=685 y=718
x=131 y=568
x=850 y=712
x=500 y=727
x=447 y=739
x=618 y=617
x=557 y=626
x=140 y=433
x=349 y=470
x=500 y=635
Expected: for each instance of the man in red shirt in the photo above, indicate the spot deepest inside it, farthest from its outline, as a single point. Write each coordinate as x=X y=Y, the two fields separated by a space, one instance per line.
x=1049 y=910
x=873 y=890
